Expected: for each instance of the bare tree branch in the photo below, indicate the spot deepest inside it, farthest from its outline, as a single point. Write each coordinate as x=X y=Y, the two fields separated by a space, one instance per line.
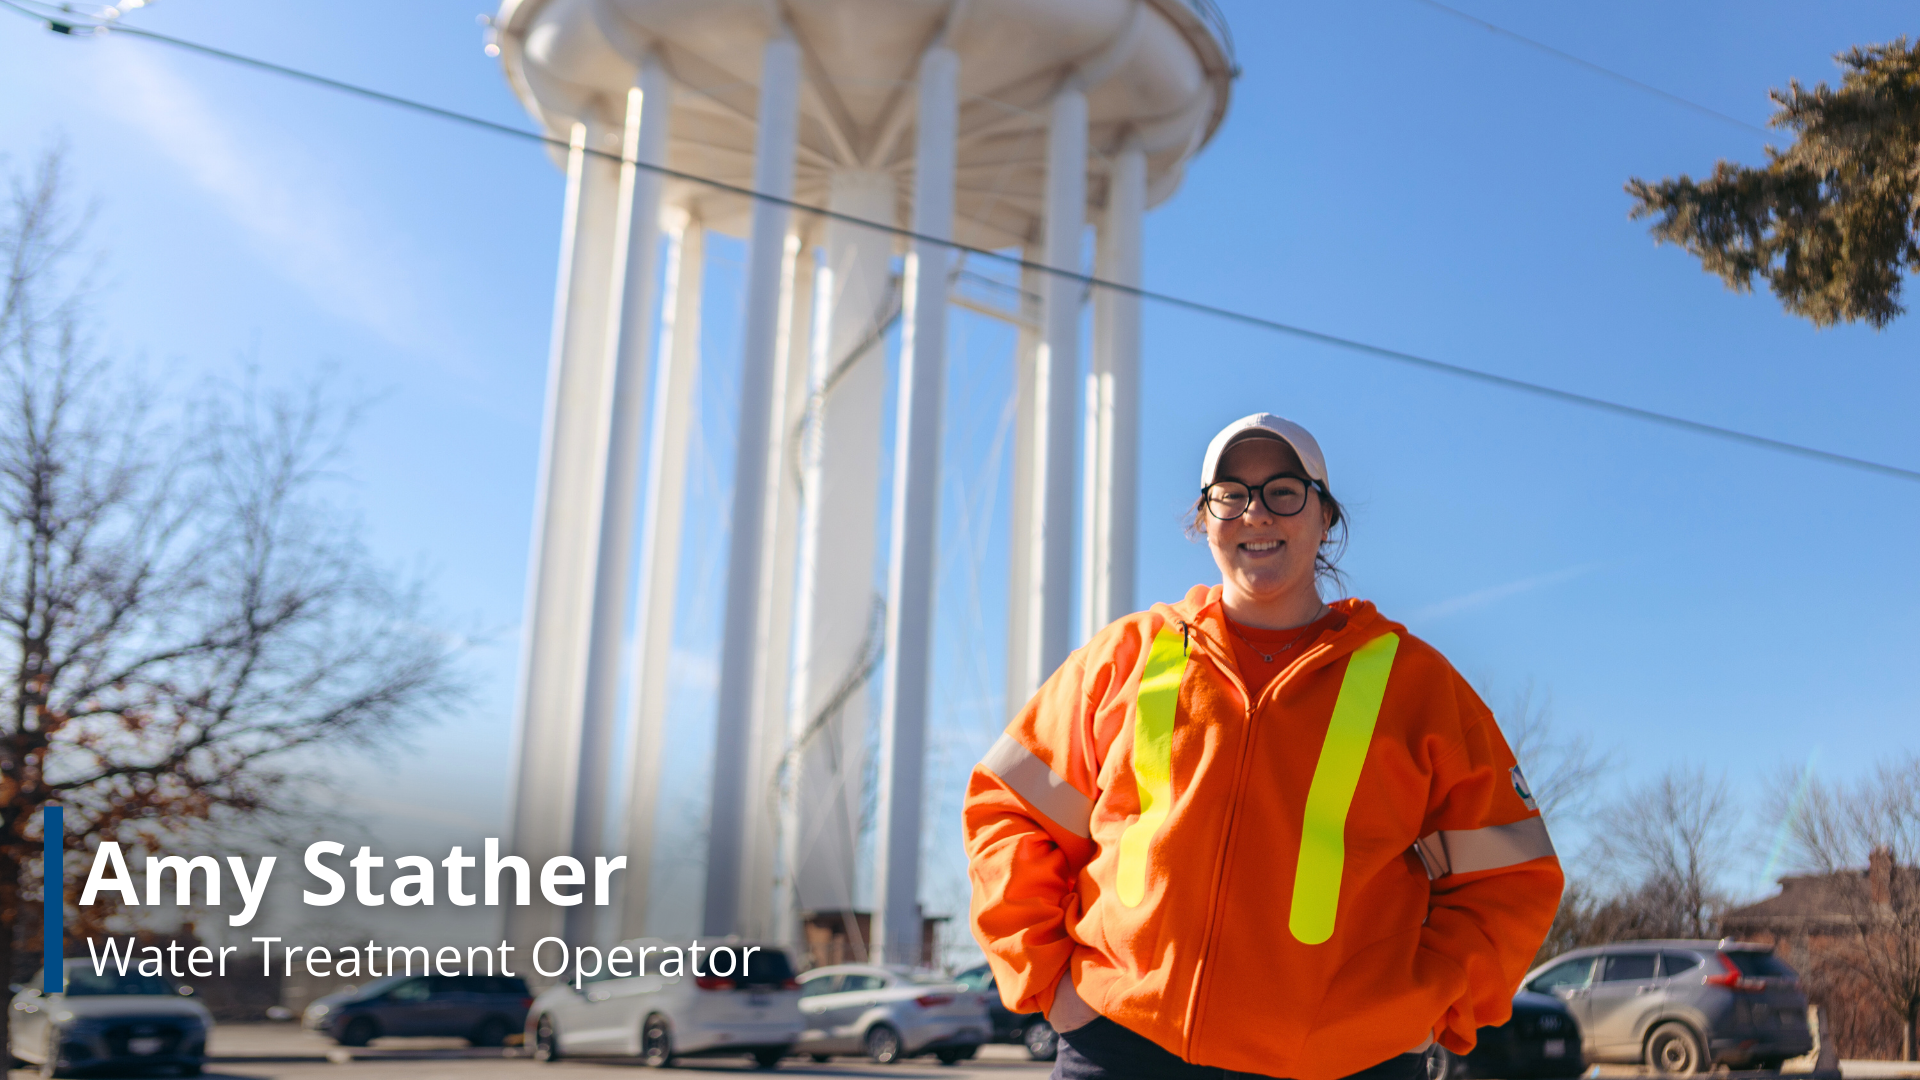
x=1560 y=768
x=1874 y=823
x=181 y=608
x=1669 y=840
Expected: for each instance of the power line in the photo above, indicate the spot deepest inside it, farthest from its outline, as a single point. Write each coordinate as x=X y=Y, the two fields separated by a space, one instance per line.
x=1597 y=69
x=68 y=24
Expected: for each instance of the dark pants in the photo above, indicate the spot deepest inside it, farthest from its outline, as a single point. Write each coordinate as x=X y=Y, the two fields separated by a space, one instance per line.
x=1103 y=1050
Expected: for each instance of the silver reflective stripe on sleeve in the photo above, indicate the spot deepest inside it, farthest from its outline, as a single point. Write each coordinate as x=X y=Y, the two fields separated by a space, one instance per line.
x=1049 y=793
x=1463 y=851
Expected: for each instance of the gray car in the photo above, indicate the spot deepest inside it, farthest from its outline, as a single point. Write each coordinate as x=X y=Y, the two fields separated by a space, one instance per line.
x=889 y=1013
x=1681 y=1006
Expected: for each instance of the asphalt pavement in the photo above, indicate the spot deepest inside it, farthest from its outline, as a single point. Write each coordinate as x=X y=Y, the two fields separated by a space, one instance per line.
x=277 y=1051
x=284 y=1052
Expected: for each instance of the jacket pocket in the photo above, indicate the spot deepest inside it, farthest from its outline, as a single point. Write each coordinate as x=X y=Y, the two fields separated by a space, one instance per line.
x=1386 y=999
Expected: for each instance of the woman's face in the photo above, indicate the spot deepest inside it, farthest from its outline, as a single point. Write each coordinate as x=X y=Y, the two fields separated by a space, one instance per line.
x=1265 y=560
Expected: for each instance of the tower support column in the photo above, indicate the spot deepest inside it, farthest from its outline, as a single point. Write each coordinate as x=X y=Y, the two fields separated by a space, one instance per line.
x=1056 y=381
x=1113 y=400
x=764 y=916
x=735 y=725
x=916 y=507
x=1023 y=601
x=664 y=514
x=836 y=633
x=629 y=341
x=557 y=612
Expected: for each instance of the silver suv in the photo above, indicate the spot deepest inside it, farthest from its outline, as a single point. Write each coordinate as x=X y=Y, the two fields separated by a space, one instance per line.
x=1681 y=1006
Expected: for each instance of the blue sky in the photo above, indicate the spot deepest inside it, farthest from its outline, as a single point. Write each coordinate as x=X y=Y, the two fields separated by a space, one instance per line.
x=1386 y=172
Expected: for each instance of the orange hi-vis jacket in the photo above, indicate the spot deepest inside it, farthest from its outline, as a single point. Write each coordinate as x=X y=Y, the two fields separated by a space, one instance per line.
x=1303 y=886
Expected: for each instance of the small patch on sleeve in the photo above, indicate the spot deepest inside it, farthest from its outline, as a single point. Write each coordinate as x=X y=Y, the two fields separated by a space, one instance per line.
x=1521 y=789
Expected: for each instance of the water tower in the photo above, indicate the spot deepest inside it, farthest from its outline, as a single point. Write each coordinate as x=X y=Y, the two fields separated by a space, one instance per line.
x=1001 y=124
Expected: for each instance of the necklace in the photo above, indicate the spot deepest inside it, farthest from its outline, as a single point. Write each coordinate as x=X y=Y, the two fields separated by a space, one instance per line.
x=1268 y=657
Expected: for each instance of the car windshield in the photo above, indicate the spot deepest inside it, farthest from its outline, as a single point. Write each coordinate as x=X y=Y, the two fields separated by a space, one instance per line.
x=1573 y=973
x=83 y=982
x=376 y=987
x=976 y=979
x=767 y=967
x=1760 y=965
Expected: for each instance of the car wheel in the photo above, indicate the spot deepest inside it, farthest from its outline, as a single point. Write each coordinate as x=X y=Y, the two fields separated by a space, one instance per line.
x=768 y=1059
x=193 y=1069
x=883 y=1044
x=1041 y=1041
x=1673 y=1049
x=546 y=1040
x=50 y=1065
x=821 y=1059
x=359 y=1031
x=656 y=1042
x=1443 y=1065
x=492 y=1032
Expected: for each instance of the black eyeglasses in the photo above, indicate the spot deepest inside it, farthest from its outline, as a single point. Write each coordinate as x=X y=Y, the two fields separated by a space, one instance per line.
x=1284 y=495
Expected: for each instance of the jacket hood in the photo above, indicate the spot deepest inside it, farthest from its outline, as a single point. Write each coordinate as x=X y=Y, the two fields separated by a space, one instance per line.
x=1205 y=619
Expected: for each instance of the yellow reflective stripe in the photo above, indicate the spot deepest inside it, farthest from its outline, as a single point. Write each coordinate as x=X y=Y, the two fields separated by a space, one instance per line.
x=1323 y=831
x=1153 y=710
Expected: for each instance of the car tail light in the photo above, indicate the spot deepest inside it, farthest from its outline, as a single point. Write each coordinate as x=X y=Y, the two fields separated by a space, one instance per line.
x=928 y=1001
x=713 y=982
x=1732 y=979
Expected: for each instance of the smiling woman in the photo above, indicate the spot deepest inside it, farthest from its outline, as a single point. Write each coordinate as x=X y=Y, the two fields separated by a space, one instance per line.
x=1272 y=537
x=1200 y=767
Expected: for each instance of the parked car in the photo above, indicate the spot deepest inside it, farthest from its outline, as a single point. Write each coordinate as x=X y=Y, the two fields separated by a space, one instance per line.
x=1030 y=1030
x=658 y=1018
x=1681 y=1006
x=1541 y=1039
x=108 y=1023
x=888 y=1014
x=482 y=1009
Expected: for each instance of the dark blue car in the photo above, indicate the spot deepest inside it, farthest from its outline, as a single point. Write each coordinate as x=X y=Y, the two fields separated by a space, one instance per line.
x=1541 y=1039
x=482 y=1009
x=1030 y=1030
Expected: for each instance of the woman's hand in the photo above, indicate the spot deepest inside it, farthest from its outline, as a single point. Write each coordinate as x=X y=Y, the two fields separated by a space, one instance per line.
x=1069 y=1012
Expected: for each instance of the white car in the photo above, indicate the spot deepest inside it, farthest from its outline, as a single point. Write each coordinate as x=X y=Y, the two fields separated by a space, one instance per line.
x=657 y=1017
x=889 y=1014
x=109 y=1021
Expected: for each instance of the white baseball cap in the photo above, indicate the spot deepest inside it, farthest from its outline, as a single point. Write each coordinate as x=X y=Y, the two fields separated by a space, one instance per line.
x=1265 y=426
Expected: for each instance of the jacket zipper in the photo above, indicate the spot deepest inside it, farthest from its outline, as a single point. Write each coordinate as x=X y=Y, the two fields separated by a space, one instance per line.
x=1233 y=814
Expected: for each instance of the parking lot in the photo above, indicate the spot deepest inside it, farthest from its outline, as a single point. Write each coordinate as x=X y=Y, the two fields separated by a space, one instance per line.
x=274 y=1051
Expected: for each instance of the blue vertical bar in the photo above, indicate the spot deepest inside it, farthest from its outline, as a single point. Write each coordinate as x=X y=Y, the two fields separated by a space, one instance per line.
x=53 y=979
